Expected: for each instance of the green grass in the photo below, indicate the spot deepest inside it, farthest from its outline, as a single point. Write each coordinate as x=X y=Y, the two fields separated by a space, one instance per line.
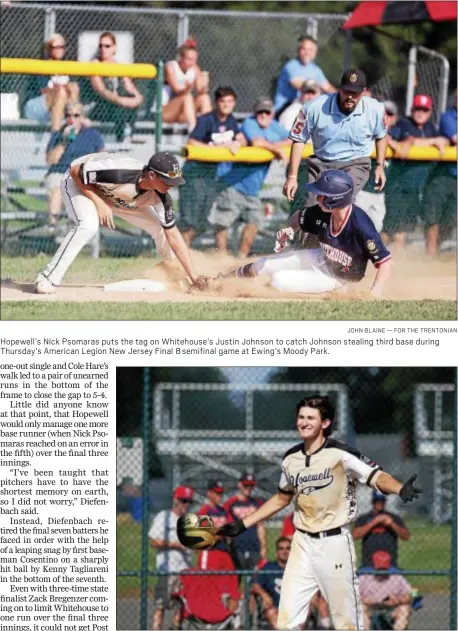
x=330 y=310
x=428 y=549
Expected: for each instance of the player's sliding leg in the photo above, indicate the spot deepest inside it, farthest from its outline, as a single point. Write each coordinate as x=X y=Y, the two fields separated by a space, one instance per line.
x=299 y=585
x=83 y=213
x=334 y=565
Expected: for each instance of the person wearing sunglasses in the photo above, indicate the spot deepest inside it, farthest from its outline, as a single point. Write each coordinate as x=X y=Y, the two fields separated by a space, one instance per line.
x=75 y=139
x=98 y=187
x=403 y=200
x=55 y=92
x=114 y=99
x=266 y=587
x=171 y=555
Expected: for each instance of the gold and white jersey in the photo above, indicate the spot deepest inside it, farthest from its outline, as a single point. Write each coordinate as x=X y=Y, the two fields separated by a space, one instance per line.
x=323 y=484
x=116 y=177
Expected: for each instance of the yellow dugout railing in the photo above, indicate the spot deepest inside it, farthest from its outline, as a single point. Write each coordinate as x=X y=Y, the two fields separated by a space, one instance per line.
x=76 y=68
x=258 y=155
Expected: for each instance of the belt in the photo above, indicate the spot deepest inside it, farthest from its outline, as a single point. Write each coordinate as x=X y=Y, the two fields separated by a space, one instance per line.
x=323 y=533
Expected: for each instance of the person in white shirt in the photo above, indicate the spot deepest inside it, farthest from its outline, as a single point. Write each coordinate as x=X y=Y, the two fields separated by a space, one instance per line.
x=309 y=91
x=171 y=555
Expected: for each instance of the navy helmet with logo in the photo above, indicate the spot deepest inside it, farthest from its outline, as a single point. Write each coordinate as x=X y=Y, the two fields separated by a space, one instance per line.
x=335 y=186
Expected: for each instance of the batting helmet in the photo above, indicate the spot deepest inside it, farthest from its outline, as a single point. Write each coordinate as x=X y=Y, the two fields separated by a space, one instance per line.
x=336 y=186
x=196 y=531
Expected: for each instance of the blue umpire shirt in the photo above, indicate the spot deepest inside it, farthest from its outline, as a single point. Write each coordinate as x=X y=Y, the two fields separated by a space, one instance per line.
x=339 y=136
x=286 y=93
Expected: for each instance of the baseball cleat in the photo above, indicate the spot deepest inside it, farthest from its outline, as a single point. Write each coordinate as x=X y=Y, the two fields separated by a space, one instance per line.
x=44 y=286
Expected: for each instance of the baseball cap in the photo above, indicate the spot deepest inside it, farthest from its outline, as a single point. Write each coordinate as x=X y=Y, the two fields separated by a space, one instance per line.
x=422 y=100
x=381 y=560
x=215 y=485
x=390 y=107
x=167 y=167
x=183 y=493
x=263 y=104
x=378 y=497
x=354 y=80
x=248 y=479
x=310 y=86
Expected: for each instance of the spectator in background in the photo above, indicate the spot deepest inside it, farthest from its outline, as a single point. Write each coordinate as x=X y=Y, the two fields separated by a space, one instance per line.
x=171 y=556
x=115 y=99
x=240 y=198
x=268 y=586
x=288 y=528
x=217 y=128
x=209 y=600
x=371 y=200
x=439 y=199
x=406 y=186
x=54 y=91
x=74 y=140
x=386 y=591
x=309 y=91
x=379 y=530
x=296 y=71
x=250 y=548
x=183 y=78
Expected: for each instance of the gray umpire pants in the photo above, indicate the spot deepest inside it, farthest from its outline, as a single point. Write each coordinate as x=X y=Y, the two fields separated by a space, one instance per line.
x=358 y=170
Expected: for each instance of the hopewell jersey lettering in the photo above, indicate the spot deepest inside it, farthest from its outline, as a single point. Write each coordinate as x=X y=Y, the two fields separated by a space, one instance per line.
x=323 y=484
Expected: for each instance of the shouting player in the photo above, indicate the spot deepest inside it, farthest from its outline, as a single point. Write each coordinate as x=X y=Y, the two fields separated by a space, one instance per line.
x=100 y=185
x=321 y=475
x=347 y=238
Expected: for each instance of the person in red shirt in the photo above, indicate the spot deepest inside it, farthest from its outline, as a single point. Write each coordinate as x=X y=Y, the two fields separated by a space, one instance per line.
x=288 y=529
x=251 y=547
x=209 y=599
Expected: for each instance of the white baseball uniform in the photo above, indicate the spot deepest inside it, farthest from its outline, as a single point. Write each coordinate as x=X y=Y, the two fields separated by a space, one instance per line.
x=115 y=177
x=322 y=553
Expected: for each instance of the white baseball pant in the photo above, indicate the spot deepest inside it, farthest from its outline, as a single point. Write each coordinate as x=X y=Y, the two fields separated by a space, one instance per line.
x=327 y=564
x=297 y=271
x=82 y=211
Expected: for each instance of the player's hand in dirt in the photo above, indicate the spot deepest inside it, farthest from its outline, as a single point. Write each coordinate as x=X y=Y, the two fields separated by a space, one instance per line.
x=410 y=492
x=200 y=283
x=105 y=216
x=290 y=188
x=233 y=529
x=282 y=237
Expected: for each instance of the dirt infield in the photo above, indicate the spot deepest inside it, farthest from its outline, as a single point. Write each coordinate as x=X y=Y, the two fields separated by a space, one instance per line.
x=413 y=278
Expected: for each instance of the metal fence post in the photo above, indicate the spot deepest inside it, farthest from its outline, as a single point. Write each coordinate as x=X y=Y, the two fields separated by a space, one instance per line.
x=145 y=497
x=411 y=79
x=454 y=564
x=50 y=23
x=159 y=86
x=183 y=28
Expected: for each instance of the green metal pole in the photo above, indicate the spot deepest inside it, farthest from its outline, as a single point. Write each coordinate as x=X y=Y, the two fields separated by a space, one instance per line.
x=453 y=568
x=159 y=86
x=145 y=498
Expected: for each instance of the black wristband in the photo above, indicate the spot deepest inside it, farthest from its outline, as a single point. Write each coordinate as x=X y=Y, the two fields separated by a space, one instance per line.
x=380 y=164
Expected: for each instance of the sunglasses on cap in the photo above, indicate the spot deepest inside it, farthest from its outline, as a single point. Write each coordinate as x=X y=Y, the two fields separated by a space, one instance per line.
x=171 y=174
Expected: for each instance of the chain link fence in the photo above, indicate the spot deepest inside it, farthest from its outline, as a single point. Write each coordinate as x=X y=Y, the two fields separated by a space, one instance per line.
x=210 y=427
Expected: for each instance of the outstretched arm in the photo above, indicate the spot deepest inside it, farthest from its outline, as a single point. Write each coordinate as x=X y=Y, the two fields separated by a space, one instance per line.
x=273 y=505
x=407 y=491
x=181 y=251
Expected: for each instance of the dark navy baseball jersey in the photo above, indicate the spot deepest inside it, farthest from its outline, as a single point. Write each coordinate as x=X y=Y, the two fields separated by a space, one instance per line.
x=236 y=508
x=271 y=583
x=218 y=515
x=347 y=251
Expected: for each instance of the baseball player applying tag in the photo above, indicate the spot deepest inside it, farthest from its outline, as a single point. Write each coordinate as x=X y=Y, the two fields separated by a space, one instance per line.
x=320 y=474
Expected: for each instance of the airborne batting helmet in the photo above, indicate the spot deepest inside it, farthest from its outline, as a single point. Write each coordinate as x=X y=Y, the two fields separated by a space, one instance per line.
x=196 y=531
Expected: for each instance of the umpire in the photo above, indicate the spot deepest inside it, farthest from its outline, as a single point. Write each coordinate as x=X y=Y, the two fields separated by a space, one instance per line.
x=343 y=127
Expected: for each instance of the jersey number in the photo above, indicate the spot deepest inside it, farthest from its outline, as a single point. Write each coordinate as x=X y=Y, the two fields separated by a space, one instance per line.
x=298 y=127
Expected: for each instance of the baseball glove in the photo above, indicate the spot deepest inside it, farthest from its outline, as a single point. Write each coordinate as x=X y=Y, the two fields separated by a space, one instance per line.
x=196 y=531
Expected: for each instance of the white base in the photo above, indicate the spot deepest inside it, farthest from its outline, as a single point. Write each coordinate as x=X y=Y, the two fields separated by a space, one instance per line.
x=149 y=286
x=303 y=281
